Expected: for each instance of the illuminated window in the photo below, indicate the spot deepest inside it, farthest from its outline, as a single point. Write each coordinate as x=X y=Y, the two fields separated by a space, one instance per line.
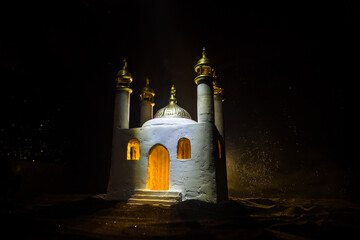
x=133 y=150
x=219 y=146
x=184 y=149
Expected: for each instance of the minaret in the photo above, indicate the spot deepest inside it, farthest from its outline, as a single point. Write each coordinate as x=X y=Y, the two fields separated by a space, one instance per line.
x=204 y=80
x=146 y=103
x=122 y=98
x=218 y=100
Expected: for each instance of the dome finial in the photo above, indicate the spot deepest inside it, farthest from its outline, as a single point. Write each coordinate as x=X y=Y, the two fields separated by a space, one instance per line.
x=147 y=81
x=172 y=94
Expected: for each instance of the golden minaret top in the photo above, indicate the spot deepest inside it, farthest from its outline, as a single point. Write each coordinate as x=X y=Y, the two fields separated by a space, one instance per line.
x=147 y=94
x=203 y=67
x=123 y=77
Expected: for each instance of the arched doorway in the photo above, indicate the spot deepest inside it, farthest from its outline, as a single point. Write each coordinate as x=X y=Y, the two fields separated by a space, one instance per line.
x=158 y=168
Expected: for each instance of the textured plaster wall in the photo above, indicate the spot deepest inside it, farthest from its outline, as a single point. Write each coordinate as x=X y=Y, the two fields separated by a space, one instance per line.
x=122 y=178
x=195 y=178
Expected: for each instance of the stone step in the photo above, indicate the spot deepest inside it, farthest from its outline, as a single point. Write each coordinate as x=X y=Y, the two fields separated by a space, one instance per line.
x=167 y=198
x=157 y=192
x=164 y=197
x=135 y=201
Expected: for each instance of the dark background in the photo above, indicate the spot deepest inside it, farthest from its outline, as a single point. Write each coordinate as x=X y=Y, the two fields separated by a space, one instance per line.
x=283 y=66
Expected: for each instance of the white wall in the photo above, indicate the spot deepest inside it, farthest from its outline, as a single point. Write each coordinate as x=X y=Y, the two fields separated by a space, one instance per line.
x=195 y=177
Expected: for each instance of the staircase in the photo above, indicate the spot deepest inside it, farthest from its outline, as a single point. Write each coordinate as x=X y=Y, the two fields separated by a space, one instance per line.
x=165 y=198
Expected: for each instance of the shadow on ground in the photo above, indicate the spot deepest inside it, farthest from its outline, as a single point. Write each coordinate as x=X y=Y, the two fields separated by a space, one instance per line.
x=84 y=217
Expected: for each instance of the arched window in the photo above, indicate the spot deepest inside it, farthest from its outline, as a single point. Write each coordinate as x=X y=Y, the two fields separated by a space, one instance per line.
x=133 y=149
x=219 y=146
x=184 y=149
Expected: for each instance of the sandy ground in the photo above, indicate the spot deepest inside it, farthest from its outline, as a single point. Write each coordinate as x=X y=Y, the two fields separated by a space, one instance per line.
x=85 y=217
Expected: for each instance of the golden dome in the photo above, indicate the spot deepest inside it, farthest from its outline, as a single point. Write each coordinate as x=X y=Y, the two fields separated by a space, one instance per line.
x=147 y=94
x=172 y=110
x=123 y=77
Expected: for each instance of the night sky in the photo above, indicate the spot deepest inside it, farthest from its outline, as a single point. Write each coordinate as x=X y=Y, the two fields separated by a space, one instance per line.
x=282 y=65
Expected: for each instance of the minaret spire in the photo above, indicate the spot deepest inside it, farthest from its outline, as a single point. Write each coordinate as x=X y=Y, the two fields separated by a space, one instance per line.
x=203 y=52
x=125 y=64
x=123 y=77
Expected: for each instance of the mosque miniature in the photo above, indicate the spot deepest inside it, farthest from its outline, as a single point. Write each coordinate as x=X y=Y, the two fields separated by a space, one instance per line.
x=170 y=158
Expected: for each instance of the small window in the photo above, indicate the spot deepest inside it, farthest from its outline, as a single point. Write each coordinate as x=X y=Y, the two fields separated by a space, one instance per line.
x=219 y=146
x=184 y=149
x=133 y=150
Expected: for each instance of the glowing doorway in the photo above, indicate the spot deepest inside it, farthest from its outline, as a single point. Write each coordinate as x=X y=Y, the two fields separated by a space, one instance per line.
x=158 y=168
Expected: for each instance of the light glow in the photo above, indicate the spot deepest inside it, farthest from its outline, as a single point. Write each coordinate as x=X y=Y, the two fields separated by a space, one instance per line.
x=158 y=168
x=133 y=149
x=184 y=149
x=219 y=146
